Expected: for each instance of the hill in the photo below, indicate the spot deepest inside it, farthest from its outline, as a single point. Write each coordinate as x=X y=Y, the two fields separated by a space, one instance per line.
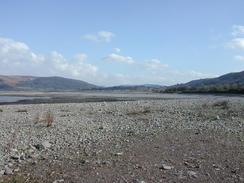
x=32 y=83
x=145 y=87
x=228 y=83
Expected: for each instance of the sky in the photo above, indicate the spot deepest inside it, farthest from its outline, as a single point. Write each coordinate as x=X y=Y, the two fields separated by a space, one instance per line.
x=122 y=42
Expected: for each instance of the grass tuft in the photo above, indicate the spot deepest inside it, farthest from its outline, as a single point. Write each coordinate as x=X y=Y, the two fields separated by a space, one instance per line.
x=22 y=110
x=49 y=119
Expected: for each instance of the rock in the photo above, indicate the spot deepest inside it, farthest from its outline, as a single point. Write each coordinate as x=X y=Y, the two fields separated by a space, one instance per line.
x=165 y=167
x=101 y=128
x=39 y=147
x=16 y=170
x=216 y=167
x=43 y=145
x=46 y=144
x=10 y=164
x=118 y=154
x=14 y=154
x=60 y=180
x=15 y=157
x=8 y=171
x=192 y=174
x=2 y=172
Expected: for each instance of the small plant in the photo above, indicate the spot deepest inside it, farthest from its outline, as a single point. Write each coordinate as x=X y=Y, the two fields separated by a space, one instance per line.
x=21 y=110
x=1 y=110
x=49 y=118
x=37 y=118
x=11 y=143
x=222 y=104
x=142 y=110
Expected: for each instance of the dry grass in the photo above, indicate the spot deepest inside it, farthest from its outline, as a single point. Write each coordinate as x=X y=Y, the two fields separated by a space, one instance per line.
x=222 y=104
x=22 y=110
x=138 y=111
x=11 y=143
x=47 y=119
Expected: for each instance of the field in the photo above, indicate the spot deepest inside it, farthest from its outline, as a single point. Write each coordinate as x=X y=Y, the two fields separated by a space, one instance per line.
x=137 y=137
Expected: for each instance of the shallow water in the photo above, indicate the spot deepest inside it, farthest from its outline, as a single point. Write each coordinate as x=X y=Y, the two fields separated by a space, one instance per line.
x=17 y=98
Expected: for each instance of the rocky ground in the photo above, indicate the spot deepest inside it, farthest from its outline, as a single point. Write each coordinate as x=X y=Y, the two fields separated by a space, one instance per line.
x=184 y=139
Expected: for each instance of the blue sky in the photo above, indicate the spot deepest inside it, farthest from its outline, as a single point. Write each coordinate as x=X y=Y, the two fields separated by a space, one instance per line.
x=122 y=42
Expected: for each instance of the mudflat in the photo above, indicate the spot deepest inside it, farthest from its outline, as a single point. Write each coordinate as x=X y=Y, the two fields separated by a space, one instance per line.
x=150 y=138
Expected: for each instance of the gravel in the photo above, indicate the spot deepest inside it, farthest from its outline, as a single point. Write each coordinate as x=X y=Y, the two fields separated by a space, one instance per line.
x=84 y=130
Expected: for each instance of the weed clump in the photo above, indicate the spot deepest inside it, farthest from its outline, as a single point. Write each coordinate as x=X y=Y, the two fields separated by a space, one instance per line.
x=47 y=118
x=22 y=110
x=222 y=104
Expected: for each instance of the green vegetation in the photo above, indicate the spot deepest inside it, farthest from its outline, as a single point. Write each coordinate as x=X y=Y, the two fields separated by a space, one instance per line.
x=222 y=88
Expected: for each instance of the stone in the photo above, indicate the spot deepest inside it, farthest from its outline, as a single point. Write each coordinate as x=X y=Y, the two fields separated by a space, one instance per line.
x=57 y=181
x=118 y=154
x=165 y=167
x=46 y=144
x=43 y=145
x=192 y=174
x=39 y=147
x=2 y=172
x=8 y=171
x=16 y=170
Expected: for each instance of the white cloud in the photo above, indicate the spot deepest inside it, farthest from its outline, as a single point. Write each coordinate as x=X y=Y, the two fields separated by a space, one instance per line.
x=237 y=30
x=113 y=57
x=81 y=57
x=101 y=36
x=239 y=57
x=18 y=58
x=236 y=43
x=117 y=50
x=155 y=64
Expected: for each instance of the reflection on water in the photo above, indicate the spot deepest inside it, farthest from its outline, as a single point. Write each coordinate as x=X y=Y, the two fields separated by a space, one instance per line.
x=17 y=98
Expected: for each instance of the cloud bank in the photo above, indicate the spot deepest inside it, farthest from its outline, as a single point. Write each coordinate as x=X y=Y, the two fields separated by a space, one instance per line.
x=113 y=57
x=101 y=36
x=17 y=58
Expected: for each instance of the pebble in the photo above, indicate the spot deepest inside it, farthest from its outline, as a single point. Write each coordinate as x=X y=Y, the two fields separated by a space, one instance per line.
x=8 y=171
x=57 y=181
x=165 y=167
x=118 y=154
x=192 y=174
x=43 y=145
x=46 y=144
x=2 y=172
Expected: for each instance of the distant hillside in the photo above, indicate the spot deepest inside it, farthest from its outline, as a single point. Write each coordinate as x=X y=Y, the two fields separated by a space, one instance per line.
x=31 y=83
x=145 y=87
x=228 y=83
